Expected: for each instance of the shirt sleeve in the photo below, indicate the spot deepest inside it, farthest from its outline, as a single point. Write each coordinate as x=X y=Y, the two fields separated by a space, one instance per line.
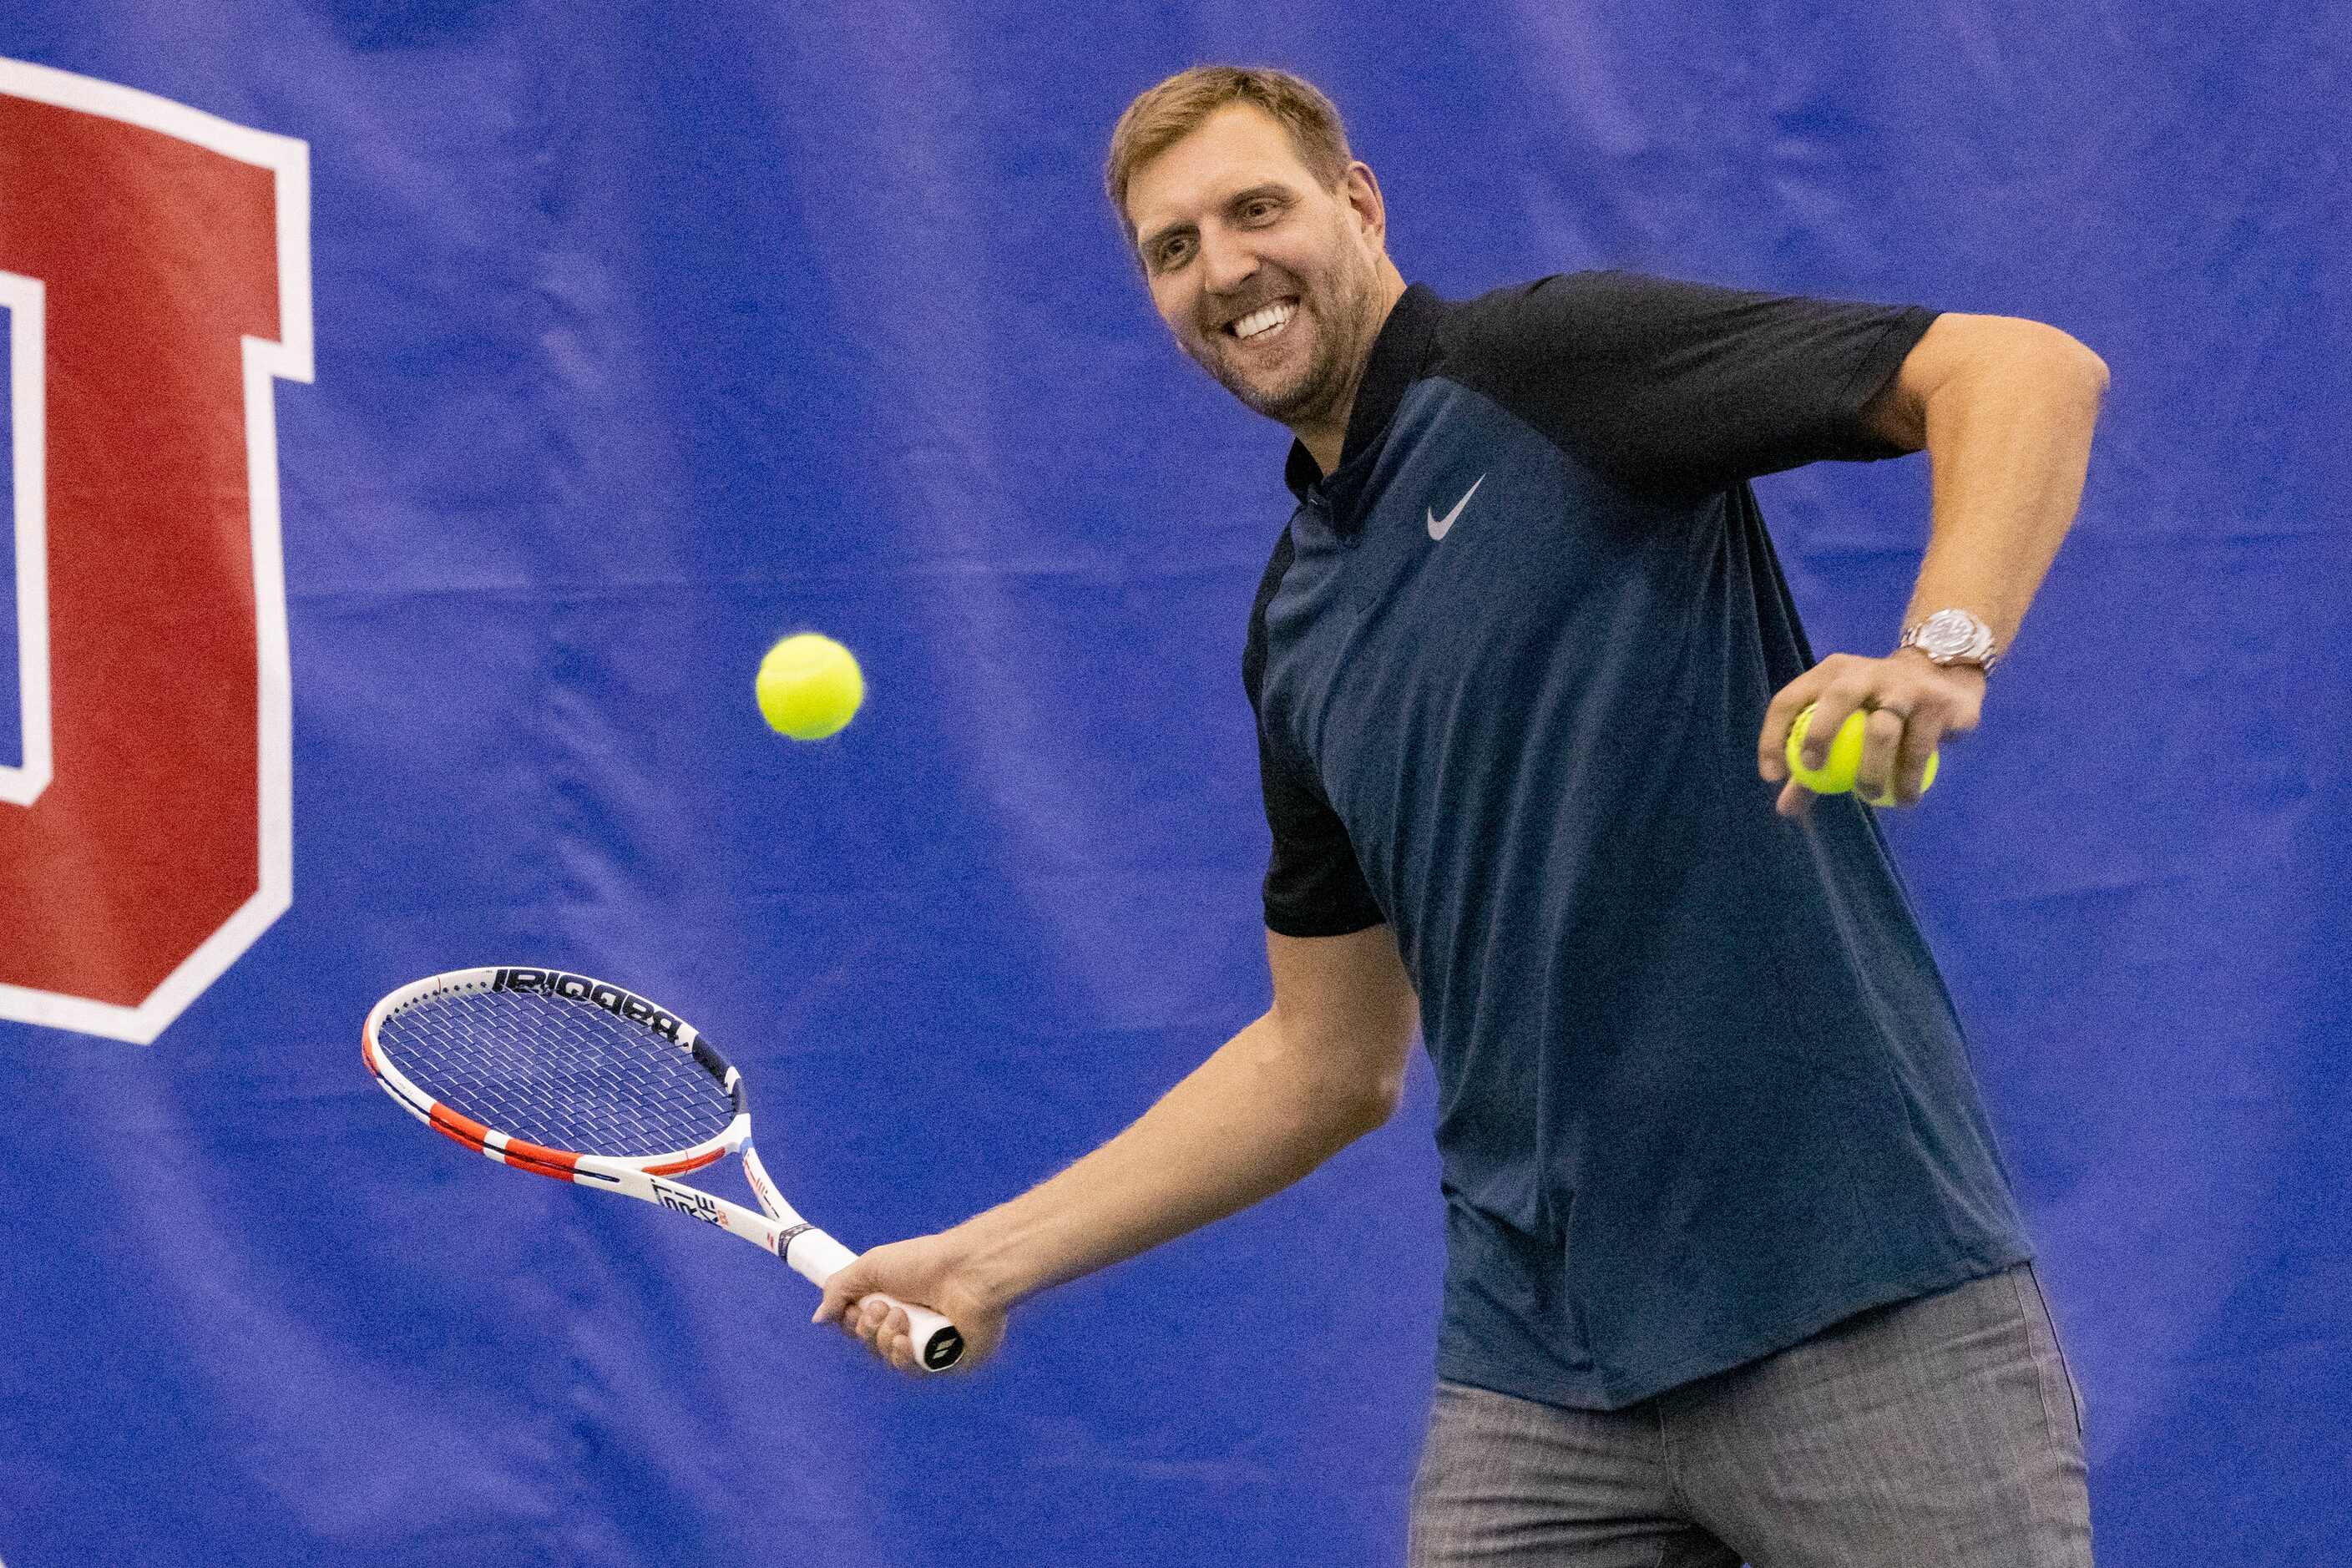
x=1684 y=387
x=1314 y=886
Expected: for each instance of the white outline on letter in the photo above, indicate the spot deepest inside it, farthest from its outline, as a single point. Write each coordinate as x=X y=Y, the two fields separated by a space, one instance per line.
x=28 y=411
x=289 y=358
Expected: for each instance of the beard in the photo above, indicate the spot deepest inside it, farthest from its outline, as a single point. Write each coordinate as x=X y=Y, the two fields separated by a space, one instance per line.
x=1343 y=312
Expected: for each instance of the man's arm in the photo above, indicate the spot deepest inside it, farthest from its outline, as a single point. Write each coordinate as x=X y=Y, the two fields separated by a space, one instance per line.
x=1323 y=1067
x=2004 y=409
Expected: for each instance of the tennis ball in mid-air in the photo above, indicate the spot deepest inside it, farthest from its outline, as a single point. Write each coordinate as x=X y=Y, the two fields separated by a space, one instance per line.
x=1835 y=775
x=809 y=686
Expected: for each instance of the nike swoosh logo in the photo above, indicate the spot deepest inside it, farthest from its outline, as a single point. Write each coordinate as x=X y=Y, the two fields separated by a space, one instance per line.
x=1438 y=526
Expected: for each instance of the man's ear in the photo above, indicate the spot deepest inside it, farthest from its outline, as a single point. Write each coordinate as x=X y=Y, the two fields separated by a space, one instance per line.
x=1361 y=190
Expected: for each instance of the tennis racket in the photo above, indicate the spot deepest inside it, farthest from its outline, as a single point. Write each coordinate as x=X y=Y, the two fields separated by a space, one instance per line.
x=578 y=1079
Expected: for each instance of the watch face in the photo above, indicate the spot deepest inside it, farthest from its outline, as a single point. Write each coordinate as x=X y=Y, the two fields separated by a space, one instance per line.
x=1954 y=634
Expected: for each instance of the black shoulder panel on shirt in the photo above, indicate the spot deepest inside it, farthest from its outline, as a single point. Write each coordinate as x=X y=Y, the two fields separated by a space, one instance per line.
x=1254 y=645
x=1314 y=886
x=1682 y=388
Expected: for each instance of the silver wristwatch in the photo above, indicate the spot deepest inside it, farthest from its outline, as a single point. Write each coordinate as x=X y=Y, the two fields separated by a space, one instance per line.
x=1953 y=636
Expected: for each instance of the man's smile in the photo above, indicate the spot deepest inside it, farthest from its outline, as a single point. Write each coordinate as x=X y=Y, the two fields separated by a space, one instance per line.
x=1265 y=321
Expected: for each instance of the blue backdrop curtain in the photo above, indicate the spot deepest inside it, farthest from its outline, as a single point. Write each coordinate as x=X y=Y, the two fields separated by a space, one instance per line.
x=648 y=333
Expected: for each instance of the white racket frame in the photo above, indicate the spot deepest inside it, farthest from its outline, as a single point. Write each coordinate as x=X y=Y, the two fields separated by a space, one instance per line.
x=809 y=1251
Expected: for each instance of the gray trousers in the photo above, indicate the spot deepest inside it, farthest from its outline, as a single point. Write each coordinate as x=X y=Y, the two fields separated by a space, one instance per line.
x=1939 y=1433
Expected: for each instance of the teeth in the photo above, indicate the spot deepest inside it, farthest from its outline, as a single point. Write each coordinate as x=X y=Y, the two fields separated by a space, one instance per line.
x=1265 y=318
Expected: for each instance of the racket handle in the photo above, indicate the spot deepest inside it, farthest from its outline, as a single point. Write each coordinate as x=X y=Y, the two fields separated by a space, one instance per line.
x=939 y=1344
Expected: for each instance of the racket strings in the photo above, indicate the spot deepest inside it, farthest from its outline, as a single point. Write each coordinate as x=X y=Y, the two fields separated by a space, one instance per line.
x=556 y=1071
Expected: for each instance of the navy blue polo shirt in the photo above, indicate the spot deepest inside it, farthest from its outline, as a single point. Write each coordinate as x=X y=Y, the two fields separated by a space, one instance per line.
x=1701 y=1090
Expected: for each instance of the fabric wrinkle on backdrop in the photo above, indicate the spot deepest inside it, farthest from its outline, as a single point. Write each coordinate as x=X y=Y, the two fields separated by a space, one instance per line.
x=644 y=337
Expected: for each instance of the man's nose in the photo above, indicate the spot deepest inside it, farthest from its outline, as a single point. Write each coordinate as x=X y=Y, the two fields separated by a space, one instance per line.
x=1226 y=260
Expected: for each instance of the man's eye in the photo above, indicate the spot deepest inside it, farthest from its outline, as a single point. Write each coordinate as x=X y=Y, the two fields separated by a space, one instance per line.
x=1171 y=255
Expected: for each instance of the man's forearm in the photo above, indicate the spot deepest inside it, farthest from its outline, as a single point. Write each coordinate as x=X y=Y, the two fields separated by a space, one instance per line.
x=1252 y=1119
x=2008 y=436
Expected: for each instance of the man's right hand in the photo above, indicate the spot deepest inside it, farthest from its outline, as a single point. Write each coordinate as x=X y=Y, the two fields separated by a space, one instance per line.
x=928 y=1270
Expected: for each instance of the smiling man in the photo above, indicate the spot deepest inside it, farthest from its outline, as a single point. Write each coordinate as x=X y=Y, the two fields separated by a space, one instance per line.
x=1733 y=1269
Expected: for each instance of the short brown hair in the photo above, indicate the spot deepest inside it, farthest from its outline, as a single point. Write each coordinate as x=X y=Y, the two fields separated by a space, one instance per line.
x=1164 y=115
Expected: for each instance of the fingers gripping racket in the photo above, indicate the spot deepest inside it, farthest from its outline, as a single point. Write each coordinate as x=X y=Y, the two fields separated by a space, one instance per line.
x=573 y=1078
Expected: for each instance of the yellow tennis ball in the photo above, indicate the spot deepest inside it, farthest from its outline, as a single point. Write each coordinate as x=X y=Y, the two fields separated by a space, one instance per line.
x=1836 y=774
x=809 y=686
x=1927 y=782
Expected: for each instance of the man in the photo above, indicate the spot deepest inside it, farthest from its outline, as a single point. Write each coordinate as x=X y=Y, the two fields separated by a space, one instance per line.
x=1733 y=1271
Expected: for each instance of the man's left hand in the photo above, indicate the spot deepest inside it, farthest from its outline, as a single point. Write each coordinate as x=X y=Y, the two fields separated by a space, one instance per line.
x=1912 y=703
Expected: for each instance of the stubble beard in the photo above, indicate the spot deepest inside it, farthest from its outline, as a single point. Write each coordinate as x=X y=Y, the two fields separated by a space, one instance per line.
x=1346 y=322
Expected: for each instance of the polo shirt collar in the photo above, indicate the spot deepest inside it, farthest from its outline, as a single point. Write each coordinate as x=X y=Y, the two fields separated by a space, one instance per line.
x=1398 y=355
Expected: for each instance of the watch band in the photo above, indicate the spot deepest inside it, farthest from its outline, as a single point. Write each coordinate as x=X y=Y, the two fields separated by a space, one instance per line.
x=1953 y=636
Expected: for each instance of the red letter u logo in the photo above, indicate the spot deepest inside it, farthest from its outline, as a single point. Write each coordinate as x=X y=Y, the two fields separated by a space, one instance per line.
x=155 y=266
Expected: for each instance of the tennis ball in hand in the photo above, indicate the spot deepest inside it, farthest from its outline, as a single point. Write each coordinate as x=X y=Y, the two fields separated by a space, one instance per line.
x=1835 y=775
x=809 y=686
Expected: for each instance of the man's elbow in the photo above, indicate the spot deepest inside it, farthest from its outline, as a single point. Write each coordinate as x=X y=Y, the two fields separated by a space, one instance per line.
x=1361 y=1097
x=1379 y=1100
x=2067 y=365
x=2087 y=370
x=1384 y=1090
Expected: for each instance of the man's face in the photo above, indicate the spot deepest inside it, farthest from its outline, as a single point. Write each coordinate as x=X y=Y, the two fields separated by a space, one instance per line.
x=1269 y=280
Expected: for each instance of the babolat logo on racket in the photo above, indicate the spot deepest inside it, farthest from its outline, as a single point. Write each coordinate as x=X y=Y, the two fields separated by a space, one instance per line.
x=686 y=1200
x=579 y=988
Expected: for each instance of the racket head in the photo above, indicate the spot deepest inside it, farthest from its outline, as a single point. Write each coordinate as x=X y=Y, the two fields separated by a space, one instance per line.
x=541 y=1068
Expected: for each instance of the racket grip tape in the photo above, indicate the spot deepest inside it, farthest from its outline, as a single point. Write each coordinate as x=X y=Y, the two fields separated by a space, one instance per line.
x=939 y=1344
